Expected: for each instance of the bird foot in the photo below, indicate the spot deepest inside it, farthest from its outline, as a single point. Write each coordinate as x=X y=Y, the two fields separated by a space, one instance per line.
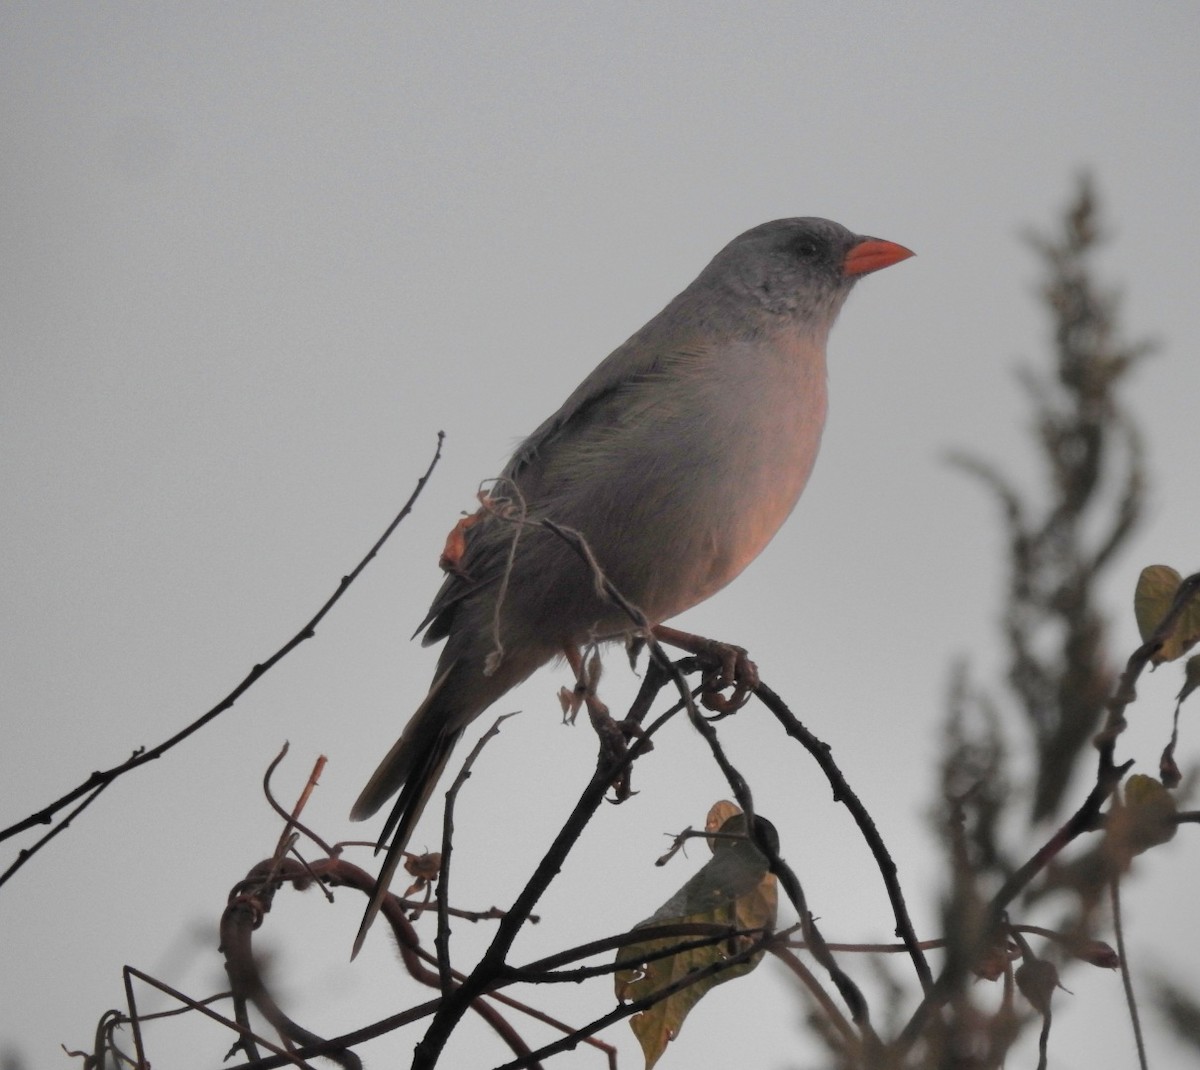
x=613 y=735
x=728 y=666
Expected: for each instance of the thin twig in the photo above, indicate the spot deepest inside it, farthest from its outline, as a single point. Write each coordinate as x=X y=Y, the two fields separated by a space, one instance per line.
x=491 y=965
x=442 y=940
x=707 y=935
x=737 y=783
x=292 y=820
x=130 y=972
x=101 y=779
x=1114 y=891
x=627 y=1010
x=27 y=852
x=843 y=793
x=134 y=1022
x=808 y=979
x=487 y=504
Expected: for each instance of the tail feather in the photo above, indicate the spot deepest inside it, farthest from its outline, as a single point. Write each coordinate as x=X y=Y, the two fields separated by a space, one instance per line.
x=460 y=693
x=406 y=755
x=419 y=783
x=411 y=767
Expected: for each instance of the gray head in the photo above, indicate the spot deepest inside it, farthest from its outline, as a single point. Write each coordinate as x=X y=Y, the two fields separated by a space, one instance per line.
x=799 y=268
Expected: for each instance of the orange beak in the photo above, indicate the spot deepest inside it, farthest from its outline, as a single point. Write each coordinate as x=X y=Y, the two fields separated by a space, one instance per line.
x=871 y=254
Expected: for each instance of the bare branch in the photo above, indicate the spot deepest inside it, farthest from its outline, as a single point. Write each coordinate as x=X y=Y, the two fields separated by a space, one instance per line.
x=101 y=779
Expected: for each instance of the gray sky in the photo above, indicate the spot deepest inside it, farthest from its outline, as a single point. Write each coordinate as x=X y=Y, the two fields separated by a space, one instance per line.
x=257 y=256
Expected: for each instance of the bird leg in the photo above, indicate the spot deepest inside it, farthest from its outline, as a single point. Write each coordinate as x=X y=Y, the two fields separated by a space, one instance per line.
x=613 y=736
x=587 y=675
x=729 y=666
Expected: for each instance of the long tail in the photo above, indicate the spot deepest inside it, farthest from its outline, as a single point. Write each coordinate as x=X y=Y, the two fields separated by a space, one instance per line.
x=413 y=766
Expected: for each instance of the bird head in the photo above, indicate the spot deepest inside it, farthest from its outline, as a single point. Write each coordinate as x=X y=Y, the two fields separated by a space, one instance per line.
x=801 y=268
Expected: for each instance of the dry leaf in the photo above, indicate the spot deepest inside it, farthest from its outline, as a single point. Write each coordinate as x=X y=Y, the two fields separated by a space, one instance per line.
x=1152 y=599
x=733 y=889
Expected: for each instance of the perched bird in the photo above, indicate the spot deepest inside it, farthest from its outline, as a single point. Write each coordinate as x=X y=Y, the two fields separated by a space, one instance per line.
x=677 y=458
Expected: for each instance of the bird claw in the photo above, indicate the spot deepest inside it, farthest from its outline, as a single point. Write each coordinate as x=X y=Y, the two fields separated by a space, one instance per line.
x=622 y=785
x=729 y=666
x=733 y=670
x=634 y=645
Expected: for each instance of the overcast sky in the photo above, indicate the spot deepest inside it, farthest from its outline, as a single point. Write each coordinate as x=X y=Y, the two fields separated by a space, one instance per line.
x=258 y=255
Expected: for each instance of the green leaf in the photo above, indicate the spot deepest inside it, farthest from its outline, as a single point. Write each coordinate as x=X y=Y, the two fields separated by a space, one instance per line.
x=1155 y=593
x=732 y=889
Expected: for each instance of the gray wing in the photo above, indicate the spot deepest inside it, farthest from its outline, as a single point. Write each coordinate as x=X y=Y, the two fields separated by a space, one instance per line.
x=481 y=566
x=631 y=365
x=635 y=361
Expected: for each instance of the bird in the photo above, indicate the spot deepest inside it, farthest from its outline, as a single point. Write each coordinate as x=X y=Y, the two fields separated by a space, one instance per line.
x=677 y=460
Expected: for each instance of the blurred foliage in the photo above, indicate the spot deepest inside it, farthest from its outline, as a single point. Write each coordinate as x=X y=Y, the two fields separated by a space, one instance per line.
x=1059 y=548
x=1061 y=541
x=1182 y=1011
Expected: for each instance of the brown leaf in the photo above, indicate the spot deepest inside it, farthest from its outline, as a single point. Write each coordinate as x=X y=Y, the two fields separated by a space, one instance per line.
x=732 y=889
x=1143 y=822
x=424 y=867
x=1037 y=979
x=992 y=964
x=718 y=814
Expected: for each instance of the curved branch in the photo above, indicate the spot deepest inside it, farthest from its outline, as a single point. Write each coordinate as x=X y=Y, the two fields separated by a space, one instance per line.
x=843 y=793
